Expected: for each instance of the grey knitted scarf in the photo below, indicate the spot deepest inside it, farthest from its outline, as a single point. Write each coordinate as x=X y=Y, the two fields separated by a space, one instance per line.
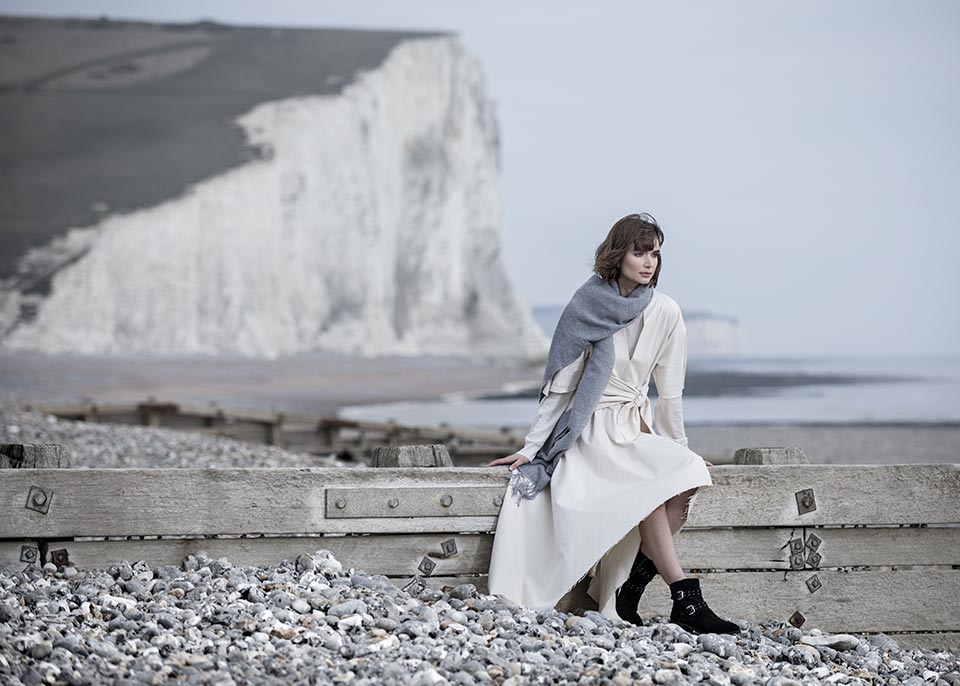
x=595 y=312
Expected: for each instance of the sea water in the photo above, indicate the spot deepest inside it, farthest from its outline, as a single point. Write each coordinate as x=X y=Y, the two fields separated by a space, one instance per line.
x=913 y=390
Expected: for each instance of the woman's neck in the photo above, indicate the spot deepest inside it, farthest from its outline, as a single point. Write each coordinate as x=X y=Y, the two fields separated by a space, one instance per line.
x=626 y=286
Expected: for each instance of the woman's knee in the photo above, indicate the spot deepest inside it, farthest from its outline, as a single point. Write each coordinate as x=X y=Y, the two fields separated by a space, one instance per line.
x=683 y=498
x=679 y=507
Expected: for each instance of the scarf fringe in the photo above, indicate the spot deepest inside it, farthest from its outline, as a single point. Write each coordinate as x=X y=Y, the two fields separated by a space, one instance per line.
x=522 y=487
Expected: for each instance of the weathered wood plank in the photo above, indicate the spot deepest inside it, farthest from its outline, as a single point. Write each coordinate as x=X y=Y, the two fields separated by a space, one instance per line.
x=117 y=502
x=844 y=494
x=390 y=555
x=402 y=553
x=756 y=548
x=903 y=600
x=183 y=501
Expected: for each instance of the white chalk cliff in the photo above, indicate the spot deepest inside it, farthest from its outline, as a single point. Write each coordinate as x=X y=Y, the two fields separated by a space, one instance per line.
x=371 y=226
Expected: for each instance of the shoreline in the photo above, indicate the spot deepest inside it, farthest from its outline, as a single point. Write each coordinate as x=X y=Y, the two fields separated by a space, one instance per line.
x=321 y=384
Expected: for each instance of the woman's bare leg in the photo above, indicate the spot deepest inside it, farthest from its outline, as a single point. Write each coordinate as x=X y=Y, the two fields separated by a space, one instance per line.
x=657 y=544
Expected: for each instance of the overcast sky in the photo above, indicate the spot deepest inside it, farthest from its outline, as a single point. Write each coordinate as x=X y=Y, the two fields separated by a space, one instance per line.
x=803 y=158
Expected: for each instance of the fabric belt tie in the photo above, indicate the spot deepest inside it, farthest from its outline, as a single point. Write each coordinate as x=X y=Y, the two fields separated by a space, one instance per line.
x=626 y=398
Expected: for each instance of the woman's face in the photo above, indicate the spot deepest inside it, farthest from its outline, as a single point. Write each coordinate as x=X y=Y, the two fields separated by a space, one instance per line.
x=638 y=266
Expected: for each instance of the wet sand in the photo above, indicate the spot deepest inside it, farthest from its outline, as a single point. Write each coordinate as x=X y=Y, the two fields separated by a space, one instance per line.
x=313 y=385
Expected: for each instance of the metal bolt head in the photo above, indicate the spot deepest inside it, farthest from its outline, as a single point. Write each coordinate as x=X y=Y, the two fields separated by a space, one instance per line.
x=814 y=584
x=446 y=500
x=38 y=499
x=498 y=500
x=341 y=503
x=813 y=559
x=29 y=553
x=796 y=546
x=797 y=619
x=813 y=541
x=60 y=557
x=394 y=502
x=796 y=561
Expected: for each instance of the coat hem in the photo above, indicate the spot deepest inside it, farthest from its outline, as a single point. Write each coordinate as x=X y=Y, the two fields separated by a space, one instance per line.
x=607 y=549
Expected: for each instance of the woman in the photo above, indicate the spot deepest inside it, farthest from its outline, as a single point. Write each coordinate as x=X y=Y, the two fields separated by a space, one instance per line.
x=598 y=491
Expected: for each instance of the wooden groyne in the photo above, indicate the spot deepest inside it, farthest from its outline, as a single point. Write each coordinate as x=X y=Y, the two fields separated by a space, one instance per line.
x=357 y=440
x=844 y=548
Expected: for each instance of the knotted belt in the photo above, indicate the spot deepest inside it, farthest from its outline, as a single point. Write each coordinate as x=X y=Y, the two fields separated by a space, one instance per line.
x=626 y=398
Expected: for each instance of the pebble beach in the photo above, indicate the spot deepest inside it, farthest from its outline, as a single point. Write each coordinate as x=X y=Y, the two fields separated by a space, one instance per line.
x=316 y=620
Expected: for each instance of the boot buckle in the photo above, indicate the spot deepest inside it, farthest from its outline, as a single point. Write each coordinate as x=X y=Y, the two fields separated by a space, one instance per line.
x=691 y=609
x=680 y=595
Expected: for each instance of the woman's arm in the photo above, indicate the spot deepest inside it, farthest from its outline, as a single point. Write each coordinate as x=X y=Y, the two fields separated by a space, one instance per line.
x=669 y=375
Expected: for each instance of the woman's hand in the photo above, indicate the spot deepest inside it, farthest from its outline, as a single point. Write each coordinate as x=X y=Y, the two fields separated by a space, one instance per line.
x=514 y=461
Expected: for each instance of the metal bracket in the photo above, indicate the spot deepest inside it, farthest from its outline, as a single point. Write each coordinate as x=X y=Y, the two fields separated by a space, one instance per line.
x=814 y=584
x=797 y=619
x=814 y=558
x=60 y=557
x=448 y=548
x=427 y=566
x=38 y=499
x=415 y=585
x=806 y=502
x=796 y=553
x=813 y=541
x=29 y=554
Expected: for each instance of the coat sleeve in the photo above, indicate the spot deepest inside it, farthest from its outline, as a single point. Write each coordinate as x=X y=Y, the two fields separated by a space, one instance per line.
x=559 y=392
x=669 y=375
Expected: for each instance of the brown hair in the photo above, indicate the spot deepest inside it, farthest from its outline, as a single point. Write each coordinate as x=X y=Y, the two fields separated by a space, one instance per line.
x=636 y=230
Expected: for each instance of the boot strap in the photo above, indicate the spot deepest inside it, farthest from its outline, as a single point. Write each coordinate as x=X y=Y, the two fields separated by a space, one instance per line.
x=694 y=607
x=680 y=594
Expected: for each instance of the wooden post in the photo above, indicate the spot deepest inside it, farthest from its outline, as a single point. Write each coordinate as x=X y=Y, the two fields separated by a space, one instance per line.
x=770 y=456
x=17 y=555
x=434 y=455
x=30 y=456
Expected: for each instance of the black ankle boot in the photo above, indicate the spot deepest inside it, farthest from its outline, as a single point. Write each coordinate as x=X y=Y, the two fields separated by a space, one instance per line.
x=692 y=613
x=628 y=595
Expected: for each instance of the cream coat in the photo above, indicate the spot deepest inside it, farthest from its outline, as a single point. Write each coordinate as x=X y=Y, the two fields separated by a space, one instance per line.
x=615 y=474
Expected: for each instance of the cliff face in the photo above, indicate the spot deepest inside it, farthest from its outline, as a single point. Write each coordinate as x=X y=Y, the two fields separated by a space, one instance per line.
x=370 y=225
